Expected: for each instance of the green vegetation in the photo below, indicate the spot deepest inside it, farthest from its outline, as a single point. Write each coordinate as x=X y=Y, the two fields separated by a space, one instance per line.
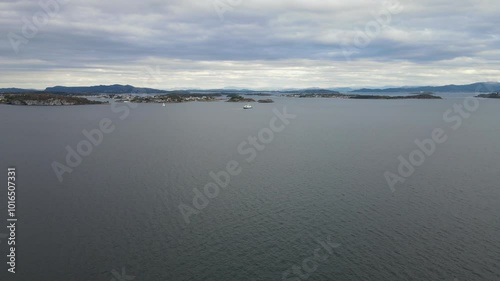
x=238 y=98
x=44 y=99
x=265 y=101
x=489 y=96
x=175 y=98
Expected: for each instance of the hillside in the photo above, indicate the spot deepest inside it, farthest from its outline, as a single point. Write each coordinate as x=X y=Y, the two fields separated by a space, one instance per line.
x=470 y=88
x=103 y=89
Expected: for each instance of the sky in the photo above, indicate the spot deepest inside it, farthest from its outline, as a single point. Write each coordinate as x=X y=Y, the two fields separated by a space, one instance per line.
x=254 y=44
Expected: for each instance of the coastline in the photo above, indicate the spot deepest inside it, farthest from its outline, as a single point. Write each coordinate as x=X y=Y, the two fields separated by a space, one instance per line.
x=49 y=99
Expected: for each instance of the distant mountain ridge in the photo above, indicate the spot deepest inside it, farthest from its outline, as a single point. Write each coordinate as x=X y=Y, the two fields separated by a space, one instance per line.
x=103 y=89
x=475 y=87
x=16 y=90
x=484 y=87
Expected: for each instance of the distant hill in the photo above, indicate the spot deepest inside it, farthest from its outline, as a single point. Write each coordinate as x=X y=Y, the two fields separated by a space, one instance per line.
x=103 y=89
x=311 y=91
x=479 y=87
x=487 y=87
x=15 y=90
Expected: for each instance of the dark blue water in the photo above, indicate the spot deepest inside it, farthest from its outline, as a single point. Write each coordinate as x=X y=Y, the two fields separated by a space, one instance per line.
x=320 y=178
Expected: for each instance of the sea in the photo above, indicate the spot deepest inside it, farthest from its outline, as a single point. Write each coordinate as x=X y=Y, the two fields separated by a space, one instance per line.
x=299 y=189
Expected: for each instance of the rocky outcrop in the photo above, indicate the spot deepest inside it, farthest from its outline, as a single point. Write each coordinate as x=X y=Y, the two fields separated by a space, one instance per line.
x=44 y=100
x=489 y=96
x=238 y=98
x=265 y=101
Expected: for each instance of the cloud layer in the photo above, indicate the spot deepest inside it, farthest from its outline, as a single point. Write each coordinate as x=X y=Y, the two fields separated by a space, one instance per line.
x=248 y=43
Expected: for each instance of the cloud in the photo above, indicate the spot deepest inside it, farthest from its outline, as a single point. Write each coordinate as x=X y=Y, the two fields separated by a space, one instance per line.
x=275 y=44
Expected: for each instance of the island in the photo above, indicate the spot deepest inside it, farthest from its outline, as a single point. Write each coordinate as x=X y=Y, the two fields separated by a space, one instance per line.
x=489 y=96
x=265 y=101
x=238 y=98
x=426 y=95
x=45 y=99
x=170 y=98
x=92 y=95
x=316 y=95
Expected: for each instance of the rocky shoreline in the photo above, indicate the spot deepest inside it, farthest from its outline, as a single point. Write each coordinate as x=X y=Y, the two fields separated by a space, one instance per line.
x=489 y=96
x=265 y=101
x=428 y=96
x=44 y=100
x=50 y=99
x=174 y=98
x=238 y=98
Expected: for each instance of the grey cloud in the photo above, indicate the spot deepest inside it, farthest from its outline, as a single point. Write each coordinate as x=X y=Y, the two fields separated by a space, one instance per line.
x=111 y=34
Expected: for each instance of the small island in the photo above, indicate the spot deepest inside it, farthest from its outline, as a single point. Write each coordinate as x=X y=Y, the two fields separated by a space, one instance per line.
x=489 y=96
x=265 y=101
x=426 y=95
x=238 y=98
x=45 y=99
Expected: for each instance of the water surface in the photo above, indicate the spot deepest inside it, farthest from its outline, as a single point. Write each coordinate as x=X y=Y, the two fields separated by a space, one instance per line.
x=322 y=176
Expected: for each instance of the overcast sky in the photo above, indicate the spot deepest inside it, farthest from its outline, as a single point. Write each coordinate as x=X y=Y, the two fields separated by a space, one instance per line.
x=171 y=44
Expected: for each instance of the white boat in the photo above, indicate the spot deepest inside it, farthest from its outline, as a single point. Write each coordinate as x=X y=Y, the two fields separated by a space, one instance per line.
x=247 y=106
x=163 y=104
